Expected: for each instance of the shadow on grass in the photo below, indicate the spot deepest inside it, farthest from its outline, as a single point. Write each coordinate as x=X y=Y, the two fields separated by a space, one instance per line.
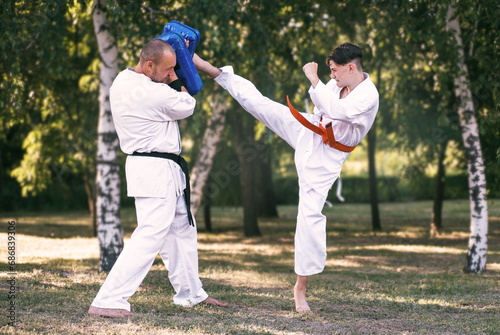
x=54 y=230
x=342 y=302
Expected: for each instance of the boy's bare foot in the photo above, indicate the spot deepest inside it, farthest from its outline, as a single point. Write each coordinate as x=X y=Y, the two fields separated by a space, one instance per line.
x=299 y=295
x=214 y=302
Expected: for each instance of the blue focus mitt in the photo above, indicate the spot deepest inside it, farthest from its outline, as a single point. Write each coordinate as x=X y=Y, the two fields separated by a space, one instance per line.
x=175 y=34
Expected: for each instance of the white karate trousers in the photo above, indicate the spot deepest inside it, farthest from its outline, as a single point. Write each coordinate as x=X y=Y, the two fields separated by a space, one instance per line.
x=310 y=234
x=162 y=228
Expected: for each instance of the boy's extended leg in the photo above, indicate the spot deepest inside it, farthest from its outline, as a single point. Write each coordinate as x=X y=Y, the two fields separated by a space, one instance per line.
x=273 y=115
x=310 y=239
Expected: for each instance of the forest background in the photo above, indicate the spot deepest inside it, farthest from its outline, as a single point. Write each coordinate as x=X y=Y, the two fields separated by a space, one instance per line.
x=49 y=95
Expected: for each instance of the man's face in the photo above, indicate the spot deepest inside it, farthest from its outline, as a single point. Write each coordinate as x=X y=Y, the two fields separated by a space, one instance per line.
x=165 y=68
x=339 y=73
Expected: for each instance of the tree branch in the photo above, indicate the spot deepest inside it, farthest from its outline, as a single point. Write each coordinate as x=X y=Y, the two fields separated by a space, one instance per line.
x=154 y=11
x=471 y=49
x=36 y=37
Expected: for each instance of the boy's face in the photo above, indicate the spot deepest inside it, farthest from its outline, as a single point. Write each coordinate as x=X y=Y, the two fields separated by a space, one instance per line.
x=340 y=73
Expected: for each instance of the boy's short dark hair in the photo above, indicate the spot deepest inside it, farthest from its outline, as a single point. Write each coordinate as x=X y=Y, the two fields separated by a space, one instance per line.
x=346 y=53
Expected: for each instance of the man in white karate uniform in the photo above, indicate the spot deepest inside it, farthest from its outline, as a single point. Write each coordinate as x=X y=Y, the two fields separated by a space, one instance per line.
x=145 y=112
x=349 y=101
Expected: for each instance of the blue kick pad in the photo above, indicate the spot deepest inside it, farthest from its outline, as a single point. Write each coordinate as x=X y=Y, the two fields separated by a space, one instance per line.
x=175 y=34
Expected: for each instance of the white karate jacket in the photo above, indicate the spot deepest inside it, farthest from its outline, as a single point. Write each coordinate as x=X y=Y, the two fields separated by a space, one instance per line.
x=145 y=115
x=351 y=117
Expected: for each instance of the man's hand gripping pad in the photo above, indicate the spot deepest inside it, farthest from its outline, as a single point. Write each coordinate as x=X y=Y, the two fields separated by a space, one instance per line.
x=175 y=34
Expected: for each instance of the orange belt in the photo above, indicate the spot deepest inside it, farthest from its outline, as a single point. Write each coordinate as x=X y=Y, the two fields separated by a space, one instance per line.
x=326 y=133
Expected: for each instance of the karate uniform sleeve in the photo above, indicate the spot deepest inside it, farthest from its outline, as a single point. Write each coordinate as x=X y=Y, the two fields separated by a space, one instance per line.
x=347 y=110
x=166 y=104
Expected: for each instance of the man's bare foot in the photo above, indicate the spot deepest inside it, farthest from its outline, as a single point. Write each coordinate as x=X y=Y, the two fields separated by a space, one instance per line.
x=214 y=302
x=299 y=295
x=109 y=312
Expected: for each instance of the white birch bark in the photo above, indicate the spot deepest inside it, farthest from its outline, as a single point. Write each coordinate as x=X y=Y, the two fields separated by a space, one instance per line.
x=477 y=249
x=109 y=227
x=204 y=160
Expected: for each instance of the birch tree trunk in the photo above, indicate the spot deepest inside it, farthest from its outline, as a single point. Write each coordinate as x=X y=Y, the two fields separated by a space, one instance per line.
x=477 y=249
x=109 y=227
x=205 y=158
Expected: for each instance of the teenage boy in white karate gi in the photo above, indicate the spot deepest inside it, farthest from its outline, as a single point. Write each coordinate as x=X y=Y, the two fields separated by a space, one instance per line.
x=145 y=112
x=350 y=102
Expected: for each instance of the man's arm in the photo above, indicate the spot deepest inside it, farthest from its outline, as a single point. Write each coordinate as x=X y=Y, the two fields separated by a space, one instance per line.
x=176 y=83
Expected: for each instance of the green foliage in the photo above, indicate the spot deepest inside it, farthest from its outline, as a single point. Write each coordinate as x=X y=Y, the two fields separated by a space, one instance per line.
x=34 y=171
x=416 y=186
x=49 y=74
x=48 y=48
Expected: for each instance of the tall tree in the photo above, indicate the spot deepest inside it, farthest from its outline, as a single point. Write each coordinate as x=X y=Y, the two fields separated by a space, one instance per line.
x=437 y=208
x=266 y=201
x=204 y=161
x=372 y=172
x=476 y=255
x=48 y=109
x=244 y=132
x=110 y=231
x=413 y=102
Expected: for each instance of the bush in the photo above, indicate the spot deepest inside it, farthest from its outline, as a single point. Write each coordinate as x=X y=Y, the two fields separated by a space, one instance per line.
x=390 y=189
x=69 y=194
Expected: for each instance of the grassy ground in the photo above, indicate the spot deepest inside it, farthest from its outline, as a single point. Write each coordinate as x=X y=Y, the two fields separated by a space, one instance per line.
x=398 y=281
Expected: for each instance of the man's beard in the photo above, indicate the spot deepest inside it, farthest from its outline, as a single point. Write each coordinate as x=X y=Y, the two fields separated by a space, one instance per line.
x=156 y=80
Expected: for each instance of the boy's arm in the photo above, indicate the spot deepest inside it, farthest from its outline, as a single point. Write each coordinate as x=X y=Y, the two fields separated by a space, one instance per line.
x=311 y=72
x=205 y=67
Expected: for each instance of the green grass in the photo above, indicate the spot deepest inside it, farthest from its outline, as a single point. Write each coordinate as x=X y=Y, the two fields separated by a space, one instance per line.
x=398 y=281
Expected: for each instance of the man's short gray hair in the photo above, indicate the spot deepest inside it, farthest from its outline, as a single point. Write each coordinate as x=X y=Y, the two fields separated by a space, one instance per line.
x=155 y=50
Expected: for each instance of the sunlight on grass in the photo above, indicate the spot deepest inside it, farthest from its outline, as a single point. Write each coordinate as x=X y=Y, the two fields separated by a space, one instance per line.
x=243 y=248
x=494 y=266
x=32 y=249
x=398 y=281
x=438 y=302
x=346 y=262
x=413 y=249
x=250 y=278
x=457 y=304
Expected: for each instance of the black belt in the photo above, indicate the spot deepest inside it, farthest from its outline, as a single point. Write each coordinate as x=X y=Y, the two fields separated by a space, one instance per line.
x=183 y=164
